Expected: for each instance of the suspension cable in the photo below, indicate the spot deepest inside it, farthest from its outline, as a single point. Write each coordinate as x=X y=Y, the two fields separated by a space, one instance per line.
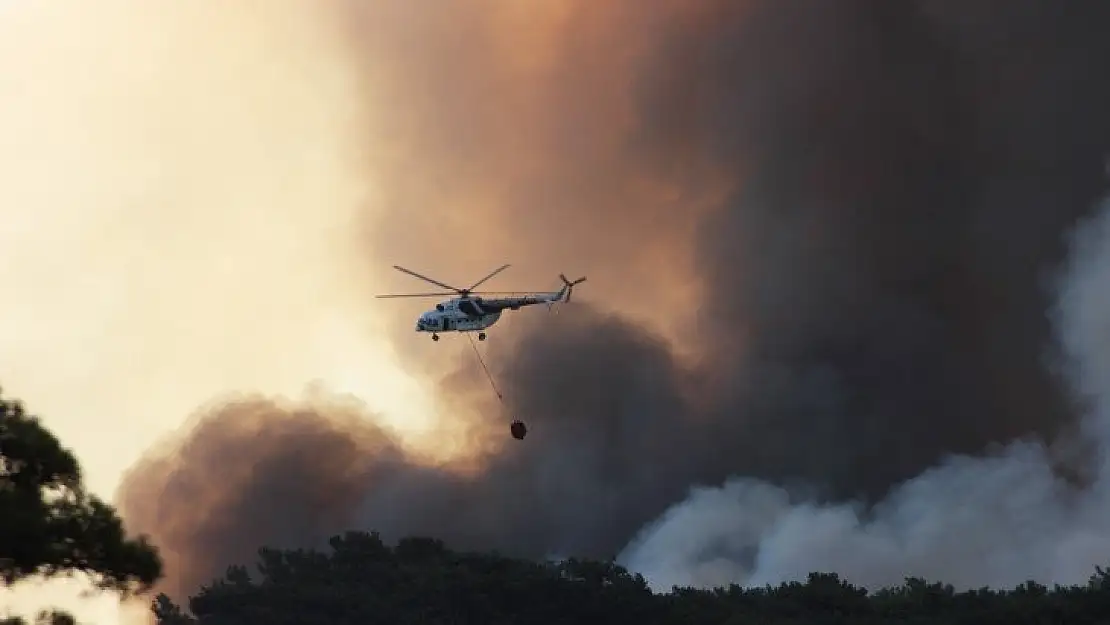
x=481 y=361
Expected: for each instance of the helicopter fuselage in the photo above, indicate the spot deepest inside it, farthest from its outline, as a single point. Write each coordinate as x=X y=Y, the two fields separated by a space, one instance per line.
x=457 y=315
x=475 y=314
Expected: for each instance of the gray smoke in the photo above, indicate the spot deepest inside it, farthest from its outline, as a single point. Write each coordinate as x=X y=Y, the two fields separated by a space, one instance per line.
x=881 y=261
x=971 y=521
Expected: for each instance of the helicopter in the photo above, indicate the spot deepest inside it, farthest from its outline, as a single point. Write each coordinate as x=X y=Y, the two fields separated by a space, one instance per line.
x=476 y=314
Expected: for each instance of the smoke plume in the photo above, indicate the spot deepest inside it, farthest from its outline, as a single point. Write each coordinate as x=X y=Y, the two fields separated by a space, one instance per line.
x=864 y=196
x=292 y=448
x=255 y=471
x=971 y=521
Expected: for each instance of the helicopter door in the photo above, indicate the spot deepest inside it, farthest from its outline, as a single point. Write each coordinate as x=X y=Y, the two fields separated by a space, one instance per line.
x=447 y=324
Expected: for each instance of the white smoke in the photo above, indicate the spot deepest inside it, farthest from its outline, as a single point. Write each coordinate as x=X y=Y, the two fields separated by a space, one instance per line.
x=989 y=521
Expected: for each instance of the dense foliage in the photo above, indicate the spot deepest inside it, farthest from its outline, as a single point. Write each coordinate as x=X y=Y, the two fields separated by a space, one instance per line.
x=50 y=525
x=364 y=581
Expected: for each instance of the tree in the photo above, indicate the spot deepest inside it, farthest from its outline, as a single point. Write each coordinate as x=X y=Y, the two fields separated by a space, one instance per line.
x=363 y=581
x=50 y=526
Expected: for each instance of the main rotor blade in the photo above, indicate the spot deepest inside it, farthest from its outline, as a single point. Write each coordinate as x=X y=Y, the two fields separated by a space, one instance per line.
x=447 y=294
x=426 y=278
x=492 y=274
x=415 y=295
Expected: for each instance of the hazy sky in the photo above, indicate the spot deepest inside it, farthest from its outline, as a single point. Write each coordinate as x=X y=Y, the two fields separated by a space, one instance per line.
x=180 y=218
x=180 y=182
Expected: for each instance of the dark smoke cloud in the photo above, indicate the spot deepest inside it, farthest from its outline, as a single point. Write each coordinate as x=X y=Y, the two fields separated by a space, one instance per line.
x=259 y=471
x=895 y=179
x=250 y=472
x=884 y=253
x=899 y=177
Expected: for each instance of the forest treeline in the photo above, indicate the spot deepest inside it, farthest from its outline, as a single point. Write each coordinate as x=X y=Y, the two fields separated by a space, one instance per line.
x=362 y=580
x=50 y=525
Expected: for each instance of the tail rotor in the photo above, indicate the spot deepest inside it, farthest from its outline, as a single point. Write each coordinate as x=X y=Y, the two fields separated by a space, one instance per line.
x=568 y=286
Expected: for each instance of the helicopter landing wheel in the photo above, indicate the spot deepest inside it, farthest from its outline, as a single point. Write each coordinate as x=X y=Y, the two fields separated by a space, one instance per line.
x=435 y=337
x=481 y=336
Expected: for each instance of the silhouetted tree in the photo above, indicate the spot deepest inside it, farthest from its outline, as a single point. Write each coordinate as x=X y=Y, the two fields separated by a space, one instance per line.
x=50 y=525
x=421 y=581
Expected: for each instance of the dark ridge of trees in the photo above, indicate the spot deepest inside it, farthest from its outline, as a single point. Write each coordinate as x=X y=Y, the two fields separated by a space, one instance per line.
x=363 y=581
x=50 y=526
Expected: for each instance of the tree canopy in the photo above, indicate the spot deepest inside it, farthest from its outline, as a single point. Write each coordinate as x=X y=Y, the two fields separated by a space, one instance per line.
x=50 y=526
x=362 y=580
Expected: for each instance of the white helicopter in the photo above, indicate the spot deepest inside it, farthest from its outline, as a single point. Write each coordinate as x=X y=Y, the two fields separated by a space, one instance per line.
x=476 y=314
